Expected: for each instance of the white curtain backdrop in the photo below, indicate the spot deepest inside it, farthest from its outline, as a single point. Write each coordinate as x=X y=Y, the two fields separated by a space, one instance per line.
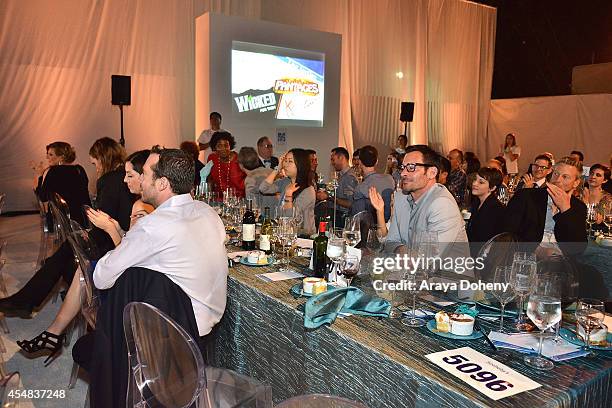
x=57 y=56
x=555 y=124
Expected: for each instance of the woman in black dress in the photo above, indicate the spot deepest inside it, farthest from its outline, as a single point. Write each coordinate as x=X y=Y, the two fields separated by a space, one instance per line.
x=65 y=178
x=113 y=197
x=487 y=212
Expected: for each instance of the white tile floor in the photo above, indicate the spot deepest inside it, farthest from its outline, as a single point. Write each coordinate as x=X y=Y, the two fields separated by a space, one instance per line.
x=23 y=234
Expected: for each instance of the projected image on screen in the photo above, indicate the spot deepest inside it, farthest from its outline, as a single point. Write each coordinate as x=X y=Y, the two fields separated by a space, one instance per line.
x=277 y=83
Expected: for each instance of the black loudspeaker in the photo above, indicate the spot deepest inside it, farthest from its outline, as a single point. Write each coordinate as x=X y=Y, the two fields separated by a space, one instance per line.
x=407 y=112
x=121 y=89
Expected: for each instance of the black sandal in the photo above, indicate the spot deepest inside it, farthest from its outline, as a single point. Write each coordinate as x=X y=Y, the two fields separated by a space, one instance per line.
x=44 y=341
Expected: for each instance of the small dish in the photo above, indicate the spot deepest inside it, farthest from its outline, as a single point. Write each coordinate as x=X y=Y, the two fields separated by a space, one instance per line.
x=244 y=260
x=431 y=326
x=574 y=339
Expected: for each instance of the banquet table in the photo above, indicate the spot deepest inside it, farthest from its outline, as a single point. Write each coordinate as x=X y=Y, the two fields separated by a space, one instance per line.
x=379 y=362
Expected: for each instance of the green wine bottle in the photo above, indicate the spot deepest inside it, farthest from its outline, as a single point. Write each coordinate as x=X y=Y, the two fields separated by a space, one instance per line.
x=319 y=246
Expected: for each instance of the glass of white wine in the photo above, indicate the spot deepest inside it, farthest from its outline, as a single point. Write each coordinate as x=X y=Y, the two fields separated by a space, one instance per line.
x=589 y=315
x=544 y=310
x=351 y=232
x=501 y=276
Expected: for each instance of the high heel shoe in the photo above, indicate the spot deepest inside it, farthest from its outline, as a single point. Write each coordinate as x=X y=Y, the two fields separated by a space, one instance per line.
x=44 y=341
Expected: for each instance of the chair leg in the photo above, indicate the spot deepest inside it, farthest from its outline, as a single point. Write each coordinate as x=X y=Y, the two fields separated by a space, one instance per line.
x=81 y=327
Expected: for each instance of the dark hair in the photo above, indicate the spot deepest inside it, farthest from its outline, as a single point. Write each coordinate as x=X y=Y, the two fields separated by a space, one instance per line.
x=403 y=137
x=247 y=156
x=502 y=161
x=356 y=152
x=261 y=140
x=216 y=137
x=472 y=162
x=459 y=152
x=603 y=168
x=305 y=177
x=430 y=156
x=578 y=153
x=340 y=151
x=138 y=159
x=543 y=157
x=212 y=114
x=492 y=175
x=192 y=148
x=310 y=151
x=175 y=165
x=64 y=150
x=445 y=166
x=368 y=155
x=513 y=140
x=110 y=154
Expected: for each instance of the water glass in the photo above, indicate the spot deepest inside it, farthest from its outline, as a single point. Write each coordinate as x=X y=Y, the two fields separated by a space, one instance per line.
x=544 y=310
x=351 y=232
x=415 y=281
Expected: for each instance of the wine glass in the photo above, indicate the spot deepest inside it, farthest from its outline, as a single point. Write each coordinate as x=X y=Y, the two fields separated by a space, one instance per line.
x=544 y=310
x=591 y=217
x=286 y=238
x=351 y=232
x=415 y=280
x=395 y=296
x=501 y=276
x=350 y=268
x=608 y=218
x=589 y=315
x=522 y=278
x=336 y=250
x=373 y=244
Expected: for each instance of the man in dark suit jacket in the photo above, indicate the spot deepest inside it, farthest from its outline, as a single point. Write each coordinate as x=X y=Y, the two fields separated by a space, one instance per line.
x=535 y=215
x=264 y=151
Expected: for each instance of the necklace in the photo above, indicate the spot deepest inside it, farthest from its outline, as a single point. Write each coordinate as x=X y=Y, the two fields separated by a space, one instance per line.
x=227 y=175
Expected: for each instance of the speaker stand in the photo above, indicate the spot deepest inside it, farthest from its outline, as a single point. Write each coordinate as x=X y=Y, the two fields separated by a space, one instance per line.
x=122 y=139
x=405 y=129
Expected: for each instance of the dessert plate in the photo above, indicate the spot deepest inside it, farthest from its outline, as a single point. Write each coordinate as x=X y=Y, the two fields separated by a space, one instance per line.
x=574 y=339
x=431 y=326
x=245 y=261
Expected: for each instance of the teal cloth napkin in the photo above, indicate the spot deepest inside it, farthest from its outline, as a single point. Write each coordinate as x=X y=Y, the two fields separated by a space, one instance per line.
x=205 y=171
x=324 y=308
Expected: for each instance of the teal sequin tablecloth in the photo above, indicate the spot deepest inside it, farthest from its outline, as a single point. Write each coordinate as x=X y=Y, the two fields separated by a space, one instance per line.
x=379 y=362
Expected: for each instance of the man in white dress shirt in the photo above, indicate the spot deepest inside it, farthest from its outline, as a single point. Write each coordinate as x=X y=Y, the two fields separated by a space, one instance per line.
x=182 y=239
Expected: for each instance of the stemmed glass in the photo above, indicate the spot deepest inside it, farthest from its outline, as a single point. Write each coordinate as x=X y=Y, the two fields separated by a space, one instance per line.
x=501 y=276
x=608 y=217
x=350 y=268
x=522 y=278
x=351 y=232
x=414 y=281
x=336 y=250
x=591 y=217
x=589 y=315
x=286 y=237
x=373 y=244
x=395 y=296
x=544 y=310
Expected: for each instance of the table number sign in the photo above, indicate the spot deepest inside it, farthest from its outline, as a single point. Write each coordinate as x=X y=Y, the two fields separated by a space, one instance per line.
x=488 y=376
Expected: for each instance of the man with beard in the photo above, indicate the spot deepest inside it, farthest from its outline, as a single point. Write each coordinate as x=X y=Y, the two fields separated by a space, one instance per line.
x=423 y=205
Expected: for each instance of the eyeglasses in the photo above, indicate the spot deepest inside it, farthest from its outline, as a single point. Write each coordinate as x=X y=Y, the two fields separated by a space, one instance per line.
x=412 y=166
x=538 y=167
x=269 y=146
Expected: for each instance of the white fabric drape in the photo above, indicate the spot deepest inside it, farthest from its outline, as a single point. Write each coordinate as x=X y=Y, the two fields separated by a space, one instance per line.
x=57 y=56
x=555 y=124
x=443 y=48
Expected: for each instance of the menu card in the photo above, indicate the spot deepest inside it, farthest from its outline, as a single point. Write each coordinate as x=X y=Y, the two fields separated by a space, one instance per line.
x=488 y=376
x=529 y=343
x=279 y=276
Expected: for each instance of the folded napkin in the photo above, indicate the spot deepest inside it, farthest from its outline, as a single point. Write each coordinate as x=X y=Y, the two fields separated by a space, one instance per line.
x=205 y=171
x=325 y=307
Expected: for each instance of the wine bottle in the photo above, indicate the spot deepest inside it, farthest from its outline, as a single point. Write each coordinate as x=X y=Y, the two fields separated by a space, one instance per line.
x=319 y=264
x=248 y=227
x=266 y=232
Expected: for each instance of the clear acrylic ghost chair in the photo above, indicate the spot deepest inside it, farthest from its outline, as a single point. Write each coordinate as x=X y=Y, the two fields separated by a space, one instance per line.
x=167 y=369
x=85 y=251
x=319 y=401
x=8 y=383
x=497 y=251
